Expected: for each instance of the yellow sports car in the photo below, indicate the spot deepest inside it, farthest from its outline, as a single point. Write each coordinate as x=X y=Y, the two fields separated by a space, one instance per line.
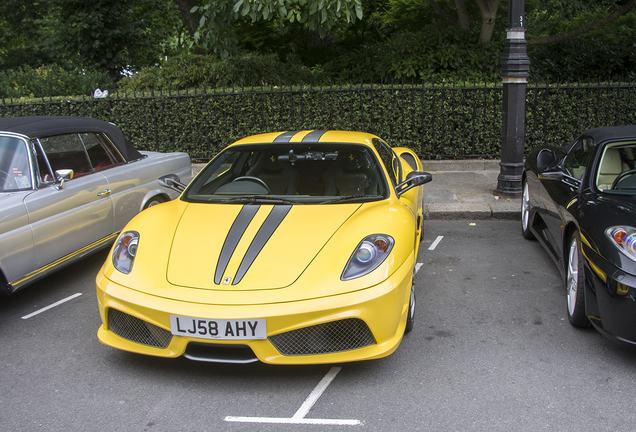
x=288 y=248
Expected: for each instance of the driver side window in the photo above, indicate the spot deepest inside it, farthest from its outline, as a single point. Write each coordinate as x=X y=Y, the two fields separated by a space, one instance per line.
x=389 y=159
x=577 y=160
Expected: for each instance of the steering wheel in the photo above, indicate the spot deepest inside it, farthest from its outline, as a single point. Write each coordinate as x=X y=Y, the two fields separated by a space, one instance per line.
x=622 y=175
x=253 y=179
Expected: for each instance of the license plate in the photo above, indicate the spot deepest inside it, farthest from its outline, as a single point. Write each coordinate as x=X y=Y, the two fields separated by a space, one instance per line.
x=226 y=329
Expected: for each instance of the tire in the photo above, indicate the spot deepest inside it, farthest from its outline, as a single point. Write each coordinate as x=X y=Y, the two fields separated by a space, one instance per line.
x=525 y=213
x=153 y=202
x=410 y=319
x=575 y=283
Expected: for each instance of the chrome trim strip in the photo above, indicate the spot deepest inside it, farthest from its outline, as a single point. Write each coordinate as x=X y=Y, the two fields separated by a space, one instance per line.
x=263 y=235
x=65 y=260
x=213 y=360
x=239 y=226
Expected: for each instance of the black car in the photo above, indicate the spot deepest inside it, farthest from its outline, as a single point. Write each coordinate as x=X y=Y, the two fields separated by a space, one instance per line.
x=579 y=202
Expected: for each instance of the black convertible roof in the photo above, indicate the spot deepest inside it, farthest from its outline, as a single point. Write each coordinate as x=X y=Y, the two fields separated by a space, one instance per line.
x=44 y=126
x=611 y=132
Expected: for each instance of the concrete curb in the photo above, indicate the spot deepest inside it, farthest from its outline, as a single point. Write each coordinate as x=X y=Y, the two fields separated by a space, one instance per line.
x=460 y=165
x=477 y=211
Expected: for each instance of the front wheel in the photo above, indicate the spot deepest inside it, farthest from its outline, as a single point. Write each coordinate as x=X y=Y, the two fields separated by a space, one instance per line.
x=576 y=283
x=525 y=213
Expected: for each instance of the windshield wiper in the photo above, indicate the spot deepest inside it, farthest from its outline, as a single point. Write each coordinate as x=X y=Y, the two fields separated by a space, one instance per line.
x=352 y=198
x=257 y=200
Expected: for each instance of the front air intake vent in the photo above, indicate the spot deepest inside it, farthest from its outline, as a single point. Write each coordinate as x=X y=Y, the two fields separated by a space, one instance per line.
x=331 y=337
x=136 y=330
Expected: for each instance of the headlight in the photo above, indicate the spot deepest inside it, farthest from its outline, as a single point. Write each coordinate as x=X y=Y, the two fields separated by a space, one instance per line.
x=369 y=254
x=624 y=238
x=125 y=251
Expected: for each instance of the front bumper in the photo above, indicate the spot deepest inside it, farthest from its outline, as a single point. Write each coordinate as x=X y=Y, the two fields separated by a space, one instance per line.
x=380 y=311
x=610 y=298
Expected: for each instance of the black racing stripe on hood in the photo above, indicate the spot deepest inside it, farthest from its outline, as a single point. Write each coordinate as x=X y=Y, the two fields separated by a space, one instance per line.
x=266 y=230
x=313 y=136
x=239 y=226
x=285 y=137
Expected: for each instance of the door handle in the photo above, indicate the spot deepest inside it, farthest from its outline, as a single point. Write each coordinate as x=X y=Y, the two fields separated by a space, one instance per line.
x=104 y=193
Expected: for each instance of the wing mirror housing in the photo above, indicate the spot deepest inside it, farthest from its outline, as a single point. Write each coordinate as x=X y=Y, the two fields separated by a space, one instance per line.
x=413 y=179
x=62 y=176
x=545 y=159
x=172 y=181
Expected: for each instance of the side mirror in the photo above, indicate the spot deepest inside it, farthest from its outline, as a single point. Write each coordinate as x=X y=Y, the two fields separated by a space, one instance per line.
x=63 y=175
x=413 y=179
x=545 y=159
x=173 y=182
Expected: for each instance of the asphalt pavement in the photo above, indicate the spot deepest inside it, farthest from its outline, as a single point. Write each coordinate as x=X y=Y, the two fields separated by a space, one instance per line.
x=462 y=189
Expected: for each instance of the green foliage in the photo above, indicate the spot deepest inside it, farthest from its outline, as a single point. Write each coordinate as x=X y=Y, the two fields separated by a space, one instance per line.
x=191 y=70
x=441 y=121
x=111 y=35
x=215 y=27
x=319 y=15
x=435 y=57
x=219 y=17
x=47 y=81
x=608 y=52
x=24 y=39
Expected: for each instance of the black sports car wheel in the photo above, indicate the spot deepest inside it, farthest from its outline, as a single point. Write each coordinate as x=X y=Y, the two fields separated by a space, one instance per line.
x=410 y=319
x=576 y=284
x=525 y=213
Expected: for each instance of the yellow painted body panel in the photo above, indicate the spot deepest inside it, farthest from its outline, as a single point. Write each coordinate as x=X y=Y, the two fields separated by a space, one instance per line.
x=293 y=282
x=383 y=307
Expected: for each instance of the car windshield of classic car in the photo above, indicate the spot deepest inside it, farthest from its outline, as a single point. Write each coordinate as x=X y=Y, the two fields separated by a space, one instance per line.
x=617 y=168
x=291 y=173
x=14 y=165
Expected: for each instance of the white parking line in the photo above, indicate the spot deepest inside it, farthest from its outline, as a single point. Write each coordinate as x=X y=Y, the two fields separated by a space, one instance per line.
x=418 y=266
x=435 y=243
x=299 y=417
x=51 y=306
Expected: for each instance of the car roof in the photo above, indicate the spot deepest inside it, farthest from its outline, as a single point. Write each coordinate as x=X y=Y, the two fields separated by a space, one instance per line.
x=309 y=137
x=612 y=132
x=44 y=126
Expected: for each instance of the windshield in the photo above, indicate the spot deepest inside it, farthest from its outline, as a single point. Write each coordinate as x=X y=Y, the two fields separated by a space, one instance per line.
x=14 y=165
x=291 y=173
x=617 y=168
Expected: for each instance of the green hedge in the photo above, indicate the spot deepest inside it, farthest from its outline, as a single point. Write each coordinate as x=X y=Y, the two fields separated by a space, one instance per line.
x=48 y=81
x=438 y=122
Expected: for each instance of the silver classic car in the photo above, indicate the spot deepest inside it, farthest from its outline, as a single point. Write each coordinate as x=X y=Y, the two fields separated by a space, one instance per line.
x=68 y=185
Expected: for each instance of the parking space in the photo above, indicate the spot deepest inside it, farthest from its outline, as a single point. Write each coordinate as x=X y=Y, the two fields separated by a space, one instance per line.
x=491 y=350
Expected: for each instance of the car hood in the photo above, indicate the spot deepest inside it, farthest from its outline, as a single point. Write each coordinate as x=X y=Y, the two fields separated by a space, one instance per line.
x=250 y=247
x=621 y=203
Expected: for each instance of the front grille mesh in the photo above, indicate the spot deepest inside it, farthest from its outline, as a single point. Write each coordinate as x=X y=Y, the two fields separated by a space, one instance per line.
x=136 y=330
x=331 y=337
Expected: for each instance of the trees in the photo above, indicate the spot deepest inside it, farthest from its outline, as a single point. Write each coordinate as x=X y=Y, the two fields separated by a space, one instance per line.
x=590 y=26
x=216 y=18
x=113 y=35
x=24 y=39
x=434 y=40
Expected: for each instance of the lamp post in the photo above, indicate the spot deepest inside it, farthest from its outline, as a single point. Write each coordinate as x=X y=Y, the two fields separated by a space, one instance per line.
x=515 y=65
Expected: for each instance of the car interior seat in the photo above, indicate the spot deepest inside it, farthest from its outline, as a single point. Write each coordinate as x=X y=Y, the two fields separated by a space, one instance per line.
x=348 y=175
x=610 y=167
x=280 y=177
